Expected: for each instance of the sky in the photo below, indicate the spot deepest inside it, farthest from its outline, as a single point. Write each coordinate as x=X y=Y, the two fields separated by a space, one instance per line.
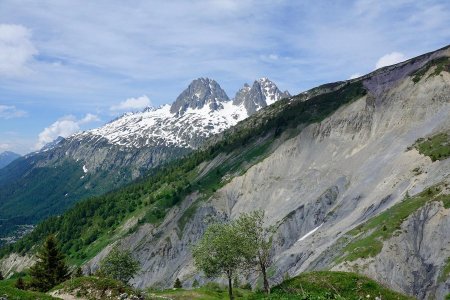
x=67 y=66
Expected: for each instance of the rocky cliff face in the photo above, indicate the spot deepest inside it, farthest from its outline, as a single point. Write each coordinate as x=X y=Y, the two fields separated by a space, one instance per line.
x=413 y=261
x=330 y=178
x=263 y=92
x=200 y=92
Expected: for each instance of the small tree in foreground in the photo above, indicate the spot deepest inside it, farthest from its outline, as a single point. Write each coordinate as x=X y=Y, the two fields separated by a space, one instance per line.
x=258 y=240
x=119 y=265
x=219 y=253
x=177 y=284
x=50 y=268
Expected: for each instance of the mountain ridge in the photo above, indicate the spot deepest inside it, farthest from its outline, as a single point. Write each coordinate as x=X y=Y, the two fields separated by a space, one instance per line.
x=101 y=159
x=7 y=157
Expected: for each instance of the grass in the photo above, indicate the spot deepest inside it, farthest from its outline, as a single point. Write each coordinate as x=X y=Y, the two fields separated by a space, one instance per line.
x=445 y=273
x=330 y=285
x=436 y=147
x=208 y=292
x=312 y=286
x=441 y=64
x=366 y=240
x=8 y=290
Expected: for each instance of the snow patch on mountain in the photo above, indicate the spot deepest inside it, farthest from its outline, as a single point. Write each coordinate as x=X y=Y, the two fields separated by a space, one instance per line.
x=166 y=126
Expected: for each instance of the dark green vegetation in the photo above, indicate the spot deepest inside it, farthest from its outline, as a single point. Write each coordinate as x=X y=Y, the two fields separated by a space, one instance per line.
x=436 y=147
x=440 y=64
x=91 y=224
x=29 y=197
x=44 y=184
x=366 y=240
x=50 y=268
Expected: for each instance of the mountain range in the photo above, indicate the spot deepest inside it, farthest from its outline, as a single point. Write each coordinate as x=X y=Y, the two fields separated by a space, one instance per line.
x=353 y=175
x=7 y=157
x=94 y=162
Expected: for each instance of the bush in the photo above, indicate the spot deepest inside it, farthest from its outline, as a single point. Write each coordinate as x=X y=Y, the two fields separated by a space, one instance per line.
x=119 y=265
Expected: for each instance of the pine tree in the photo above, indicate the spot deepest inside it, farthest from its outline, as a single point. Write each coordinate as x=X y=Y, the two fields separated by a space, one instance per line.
x=177 y=284
x=1 y=276
x=195 y=284
x=50 y=268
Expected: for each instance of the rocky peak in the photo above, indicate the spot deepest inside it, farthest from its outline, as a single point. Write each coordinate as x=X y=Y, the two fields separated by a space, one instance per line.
x=201 y=92
x=263 y=92
x=52 y=144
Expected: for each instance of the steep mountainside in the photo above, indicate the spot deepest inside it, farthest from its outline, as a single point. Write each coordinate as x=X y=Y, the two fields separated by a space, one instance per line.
x=96 y=161
x=355 y=175
x=7 y=157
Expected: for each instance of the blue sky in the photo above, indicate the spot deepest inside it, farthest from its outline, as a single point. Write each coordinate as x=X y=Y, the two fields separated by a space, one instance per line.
x=72 y=65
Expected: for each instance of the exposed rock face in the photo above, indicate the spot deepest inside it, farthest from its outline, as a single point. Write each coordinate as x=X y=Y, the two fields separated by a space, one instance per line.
x=325 y=181
x=200 y=92
x=262 y=93
x=412 y=261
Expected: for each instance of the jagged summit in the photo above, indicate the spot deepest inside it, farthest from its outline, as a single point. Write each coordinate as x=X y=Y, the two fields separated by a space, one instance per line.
x=201 y=110
x=263 y=92
x=201 y=92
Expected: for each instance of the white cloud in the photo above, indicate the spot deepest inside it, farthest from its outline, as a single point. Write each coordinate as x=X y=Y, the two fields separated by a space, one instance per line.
x=132 y=104
x=65 y=126
x=390 y=59
x=16 y=50
x=356 y=75
x=89 y=118
x=4 y=147
x=10 y=112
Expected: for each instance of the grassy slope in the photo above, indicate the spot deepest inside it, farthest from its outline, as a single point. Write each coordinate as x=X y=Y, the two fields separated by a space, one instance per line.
x=366 y=240
x=311 y=285
x=91 y=224
x=7 y=289
x=436 y=147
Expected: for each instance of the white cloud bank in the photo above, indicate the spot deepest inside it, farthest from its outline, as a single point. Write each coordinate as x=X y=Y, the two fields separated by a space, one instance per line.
x=132 y=104
x=11 y=112
x=16 y=50
x=390 y=59
x=64 y=127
